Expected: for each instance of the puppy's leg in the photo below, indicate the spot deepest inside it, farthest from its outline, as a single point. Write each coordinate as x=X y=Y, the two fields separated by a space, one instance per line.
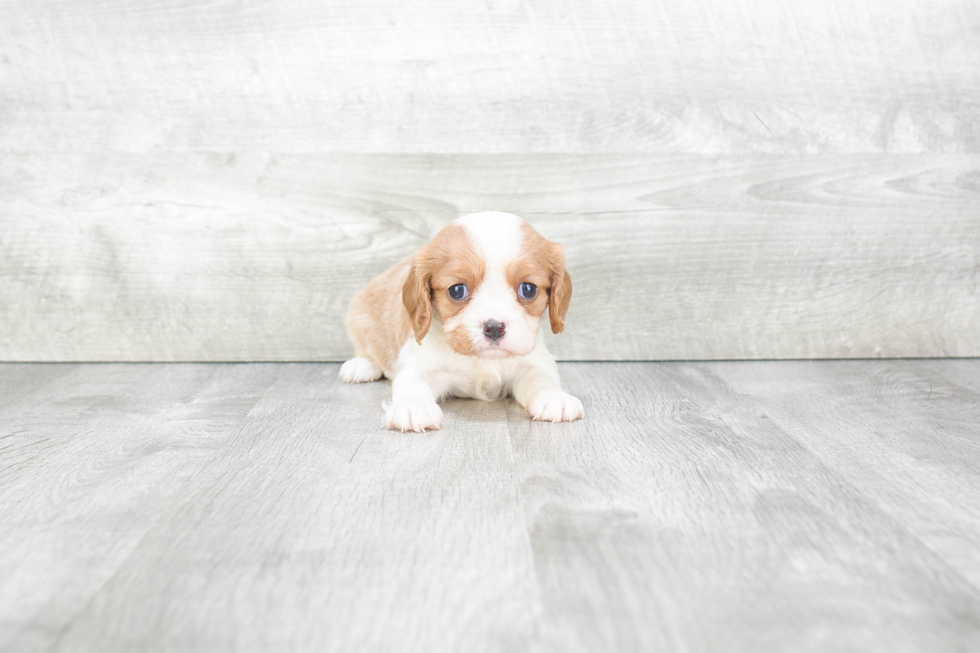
x=360 y=370
x=413 y=404
x=537 y=389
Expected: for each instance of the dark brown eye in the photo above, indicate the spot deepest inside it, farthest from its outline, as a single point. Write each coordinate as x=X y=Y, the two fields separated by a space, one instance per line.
x=459 y=292
x=527 y=290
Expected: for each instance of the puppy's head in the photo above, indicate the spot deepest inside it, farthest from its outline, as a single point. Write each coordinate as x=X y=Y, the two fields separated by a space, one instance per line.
x=488 y=277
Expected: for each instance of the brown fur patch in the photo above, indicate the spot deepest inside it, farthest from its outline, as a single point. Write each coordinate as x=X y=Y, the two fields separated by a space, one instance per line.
x=399 y=303
x=417 y=299
x=454 y=259
x=450 y=258
x=377 y=322
x=542 y=262
x=461 y=342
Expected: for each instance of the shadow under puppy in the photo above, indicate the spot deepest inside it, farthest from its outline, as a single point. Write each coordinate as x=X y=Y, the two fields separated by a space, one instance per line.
x=461 y=318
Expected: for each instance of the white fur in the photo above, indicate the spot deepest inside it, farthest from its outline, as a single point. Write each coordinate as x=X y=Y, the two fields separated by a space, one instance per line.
x=360 y=370
x=519 y=365
x=431 y=371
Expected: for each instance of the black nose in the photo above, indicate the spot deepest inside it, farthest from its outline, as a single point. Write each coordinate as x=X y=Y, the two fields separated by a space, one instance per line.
x=494 y=329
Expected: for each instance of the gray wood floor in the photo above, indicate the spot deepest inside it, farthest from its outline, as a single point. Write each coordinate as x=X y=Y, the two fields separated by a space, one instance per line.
x=780 y=506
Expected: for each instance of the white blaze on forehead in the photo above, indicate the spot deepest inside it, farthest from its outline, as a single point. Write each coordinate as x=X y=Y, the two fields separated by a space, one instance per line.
x=497 y=235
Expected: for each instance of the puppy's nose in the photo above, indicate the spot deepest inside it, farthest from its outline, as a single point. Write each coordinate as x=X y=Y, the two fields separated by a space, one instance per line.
x=494 y=329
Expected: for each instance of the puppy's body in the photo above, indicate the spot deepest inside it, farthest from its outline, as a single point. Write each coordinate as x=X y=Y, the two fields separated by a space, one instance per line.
x=459 y=318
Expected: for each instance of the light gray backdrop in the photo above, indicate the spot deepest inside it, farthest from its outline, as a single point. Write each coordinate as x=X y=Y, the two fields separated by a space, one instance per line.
x=215 y=180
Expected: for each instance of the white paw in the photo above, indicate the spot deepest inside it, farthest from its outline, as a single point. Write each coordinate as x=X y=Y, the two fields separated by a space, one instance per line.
x=417 y=415
x=359 y=370
x=555 y=406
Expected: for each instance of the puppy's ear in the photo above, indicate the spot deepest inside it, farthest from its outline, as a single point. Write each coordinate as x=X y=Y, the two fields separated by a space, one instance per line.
x=560 y=294
x=417 y=297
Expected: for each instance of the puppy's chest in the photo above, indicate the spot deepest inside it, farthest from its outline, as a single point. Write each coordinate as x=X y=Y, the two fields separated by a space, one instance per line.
x=488 y=383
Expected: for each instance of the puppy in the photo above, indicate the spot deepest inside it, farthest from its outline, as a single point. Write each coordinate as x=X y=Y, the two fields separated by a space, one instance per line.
x=461 y=318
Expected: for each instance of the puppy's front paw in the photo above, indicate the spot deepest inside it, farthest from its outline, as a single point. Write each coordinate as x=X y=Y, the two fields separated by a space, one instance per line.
x=417 y=415
x=555 y=406
x=360 y=370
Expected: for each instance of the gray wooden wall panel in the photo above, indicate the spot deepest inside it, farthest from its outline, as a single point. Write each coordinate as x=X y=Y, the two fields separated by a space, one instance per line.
x=503 y=76
x=213 y=181
x=223 y=257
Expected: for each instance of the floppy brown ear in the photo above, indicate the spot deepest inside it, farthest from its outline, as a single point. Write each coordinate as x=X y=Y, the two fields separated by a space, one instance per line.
x=560 y=294
x=417 y=297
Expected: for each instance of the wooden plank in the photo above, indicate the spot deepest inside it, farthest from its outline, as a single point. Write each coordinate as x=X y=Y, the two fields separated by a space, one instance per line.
x=89 y=461
x=177 y=257
x=699 y=506
x=679 y=516
x=20 y=384
x=315 y=529
x=900 y=432
x=705 y=76
x=962 y=374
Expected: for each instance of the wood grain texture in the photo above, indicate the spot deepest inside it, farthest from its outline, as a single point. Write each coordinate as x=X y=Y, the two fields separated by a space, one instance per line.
x=705 y=76
x=312 y=502
x=680 y=516
x=176 y=257
x=90 y=458
x=919 y=412
x=701 y=507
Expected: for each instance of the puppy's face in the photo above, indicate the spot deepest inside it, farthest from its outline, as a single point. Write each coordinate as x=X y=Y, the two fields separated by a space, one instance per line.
x=489 y=278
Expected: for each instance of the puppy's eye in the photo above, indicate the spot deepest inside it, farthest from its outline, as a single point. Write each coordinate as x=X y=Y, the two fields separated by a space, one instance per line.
x=527 y=290
x=459 y=292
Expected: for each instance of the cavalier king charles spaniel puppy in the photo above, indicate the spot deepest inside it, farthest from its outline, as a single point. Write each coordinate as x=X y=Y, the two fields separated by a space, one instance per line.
x=461 y=318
